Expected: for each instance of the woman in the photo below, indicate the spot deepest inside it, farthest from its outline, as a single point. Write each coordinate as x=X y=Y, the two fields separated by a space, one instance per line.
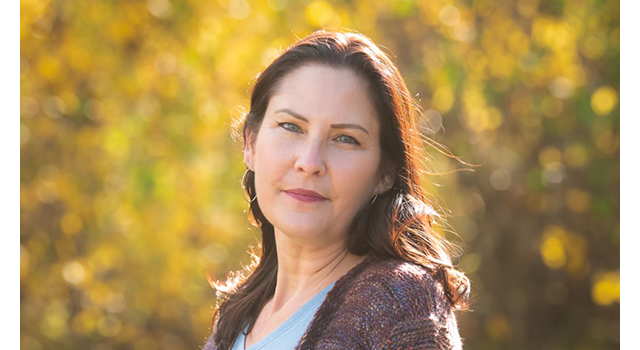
x=350 y=259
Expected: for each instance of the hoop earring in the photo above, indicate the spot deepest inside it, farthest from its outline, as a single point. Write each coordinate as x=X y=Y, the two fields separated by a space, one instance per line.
x=245 y=188
x=374 y=198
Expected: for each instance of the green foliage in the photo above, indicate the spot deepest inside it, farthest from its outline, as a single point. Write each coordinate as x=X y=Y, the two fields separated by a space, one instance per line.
x=130 y=181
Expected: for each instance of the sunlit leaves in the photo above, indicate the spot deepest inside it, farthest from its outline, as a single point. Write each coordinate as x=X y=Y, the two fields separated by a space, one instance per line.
x=560 y=248
x=603 y=100
x=606 y=288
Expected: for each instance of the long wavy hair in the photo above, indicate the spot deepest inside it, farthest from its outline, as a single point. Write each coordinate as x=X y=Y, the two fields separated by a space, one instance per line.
x=398 y=224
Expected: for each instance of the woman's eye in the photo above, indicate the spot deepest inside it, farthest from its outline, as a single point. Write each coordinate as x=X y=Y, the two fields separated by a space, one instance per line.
x=348 y=140
x=289 y=127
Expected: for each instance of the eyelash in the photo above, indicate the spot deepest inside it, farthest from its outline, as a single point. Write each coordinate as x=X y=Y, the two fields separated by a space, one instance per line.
x=287 y=127
x=351 y=141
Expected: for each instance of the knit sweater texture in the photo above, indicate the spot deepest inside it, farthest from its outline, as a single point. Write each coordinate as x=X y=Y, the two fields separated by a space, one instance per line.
x=382 y=304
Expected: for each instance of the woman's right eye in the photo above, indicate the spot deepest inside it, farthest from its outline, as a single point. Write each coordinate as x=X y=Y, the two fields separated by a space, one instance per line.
x=289 y=127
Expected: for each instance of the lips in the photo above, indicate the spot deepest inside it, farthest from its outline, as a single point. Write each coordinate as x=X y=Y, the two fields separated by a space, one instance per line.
x=306 y=196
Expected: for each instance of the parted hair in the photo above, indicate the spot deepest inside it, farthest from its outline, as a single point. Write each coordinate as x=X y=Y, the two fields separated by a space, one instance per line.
x=398 y=224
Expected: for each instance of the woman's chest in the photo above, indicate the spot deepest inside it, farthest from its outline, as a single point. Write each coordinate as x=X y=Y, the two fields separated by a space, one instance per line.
x=267 y=323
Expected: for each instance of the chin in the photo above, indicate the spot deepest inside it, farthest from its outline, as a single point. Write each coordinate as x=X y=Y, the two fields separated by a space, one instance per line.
x=308 y=231
x=300 y=229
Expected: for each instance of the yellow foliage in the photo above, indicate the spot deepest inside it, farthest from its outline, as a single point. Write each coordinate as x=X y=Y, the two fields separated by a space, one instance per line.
x=605 y=289
x=498 y=327
x=608 y=142
x=49 y=67
x=53 y=324
x=73 y=272
x=85 y=321
x=528 y=8
x=518 y=42
x=576 y=156
x=604 y=100
x=24 y=261
x=594 y=46
x=71 y=223
x=552 y=107
x=443 y=99
x=553 y=252
x=554 y=34
x=116 y=142
x=471 y=263
x=561 y=248
x=484 y=119
x=578 y=200
x=549 y=154
x=121 y=31
x=107 y=256
x=320 y=13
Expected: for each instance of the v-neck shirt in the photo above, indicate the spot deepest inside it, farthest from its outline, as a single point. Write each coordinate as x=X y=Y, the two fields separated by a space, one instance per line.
x=287 y=335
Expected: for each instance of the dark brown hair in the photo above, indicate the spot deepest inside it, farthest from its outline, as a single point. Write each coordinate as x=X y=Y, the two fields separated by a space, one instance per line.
x=398 y=224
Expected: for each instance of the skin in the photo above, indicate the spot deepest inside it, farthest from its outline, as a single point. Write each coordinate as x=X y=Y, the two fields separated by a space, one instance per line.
x=320 y=133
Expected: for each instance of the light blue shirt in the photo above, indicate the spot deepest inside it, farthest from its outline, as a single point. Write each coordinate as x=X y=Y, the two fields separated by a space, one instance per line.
x=286 y=336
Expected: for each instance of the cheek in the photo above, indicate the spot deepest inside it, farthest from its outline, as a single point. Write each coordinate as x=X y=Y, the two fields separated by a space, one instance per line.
x=271 y=157
x=357 y=176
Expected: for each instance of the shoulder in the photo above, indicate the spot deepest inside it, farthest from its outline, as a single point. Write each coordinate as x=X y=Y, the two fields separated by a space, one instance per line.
x=394 y=272
x=394 y=282
x=399 y=304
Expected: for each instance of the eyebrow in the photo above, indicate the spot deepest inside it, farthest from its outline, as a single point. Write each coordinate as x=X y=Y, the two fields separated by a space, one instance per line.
x=333 y=126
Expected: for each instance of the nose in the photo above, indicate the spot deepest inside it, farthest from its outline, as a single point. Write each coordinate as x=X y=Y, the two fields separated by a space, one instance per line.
x=310 y=160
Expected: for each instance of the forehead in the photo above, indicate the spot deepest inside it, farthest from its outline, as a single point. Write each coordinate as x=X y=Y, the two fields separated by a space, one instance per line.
x=321 y=92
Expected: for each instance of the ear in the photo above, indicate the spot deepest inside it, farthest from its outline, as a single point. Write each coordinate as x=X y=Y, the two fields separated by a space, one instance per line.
x=387 y=178
x=249 y=150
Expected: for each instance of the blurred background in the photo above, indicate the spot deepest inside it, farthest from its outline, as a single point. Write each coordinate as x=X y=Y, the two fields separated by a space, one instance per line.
x=130 y=181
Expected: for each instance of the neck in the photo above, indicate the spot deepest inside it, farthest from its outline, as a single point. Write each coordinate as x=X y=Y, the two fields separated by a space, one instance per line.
x=303 y=271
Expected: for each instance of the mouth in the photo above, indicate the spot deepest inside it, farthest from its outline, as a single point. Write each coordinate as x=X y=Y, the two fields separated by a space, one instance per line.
x=305 y=196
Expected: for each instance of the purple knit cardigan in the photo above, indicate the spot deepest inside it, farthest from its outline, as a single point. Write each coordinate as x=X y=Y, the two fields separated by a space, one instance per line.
x=382 y=304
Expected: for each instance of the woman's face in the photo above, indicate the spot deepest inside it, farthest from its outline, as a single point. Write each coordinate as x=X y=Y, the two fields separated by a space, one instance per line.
x=316 y=156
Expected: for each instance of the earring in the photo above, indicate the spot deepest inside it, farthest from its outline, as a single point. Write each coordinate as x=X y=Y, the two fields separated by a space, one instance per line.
x=245 y=188
x=374 y=198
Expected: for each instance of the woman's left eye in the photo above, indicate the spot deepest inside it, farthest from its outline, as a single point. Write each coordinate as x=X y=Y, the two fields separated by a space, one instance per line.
x=348 y=140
